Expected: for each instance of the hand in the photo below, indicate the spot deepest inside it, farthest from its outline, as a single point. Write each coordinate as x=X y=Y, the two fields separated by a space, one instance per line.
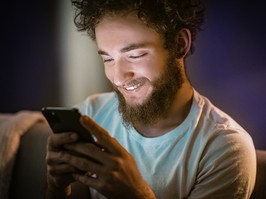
x=59 y=172
x=116 y=171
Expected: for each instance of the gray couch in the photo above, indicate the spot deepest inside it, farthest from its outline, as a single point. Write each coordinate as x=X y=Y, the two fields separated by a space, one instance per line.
x=29 y=174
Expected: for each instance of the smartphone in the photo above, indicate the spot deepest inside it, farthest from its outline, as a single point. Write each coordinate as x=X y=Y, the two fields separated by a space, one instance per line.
x=64 y=119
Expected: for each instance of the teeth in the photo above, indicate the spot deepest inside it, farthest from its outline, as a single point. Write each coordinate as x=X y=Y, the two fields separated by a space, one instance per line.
x=134 y=84
x=132 y=87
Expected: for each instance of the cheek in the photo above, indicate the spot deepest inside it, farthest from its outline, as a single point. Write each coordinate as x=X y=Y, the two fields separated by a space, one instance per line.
x=108 y=74
x=152 y=69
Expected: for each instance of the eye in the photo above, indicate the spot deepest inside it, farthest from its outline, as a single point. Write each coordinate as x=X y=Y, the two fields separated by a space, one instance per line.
x=137 y=56
x=107 y=59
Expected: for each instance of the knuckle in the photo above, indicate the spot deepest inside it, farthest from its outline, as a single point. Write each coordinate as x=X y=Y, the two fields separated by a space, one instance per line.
x=49 y=143
x=62 y=155
x=117 y=164
x=52 y=170
x=82 y=164
x=108 y=182
x=48 y=158
x=51 y=140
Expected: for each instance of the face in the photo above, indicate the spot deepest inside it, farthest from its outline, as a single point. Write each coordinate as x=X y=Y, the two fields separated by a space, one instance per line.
x=145 y=77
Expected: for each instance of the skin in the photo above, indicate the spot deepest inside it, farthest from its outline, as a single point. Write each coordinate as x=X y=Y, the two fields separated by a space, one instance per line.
x=134 y=56
x=131 y=51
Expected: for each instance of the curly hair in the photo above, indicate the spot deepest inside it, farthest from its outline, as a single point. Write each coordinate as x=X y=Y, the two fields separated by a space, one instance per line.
x=167 y=17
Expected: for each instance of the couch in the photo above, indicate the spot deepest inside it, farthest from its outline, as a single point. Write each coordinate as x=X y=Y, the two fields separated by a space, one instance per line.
x=29 y=171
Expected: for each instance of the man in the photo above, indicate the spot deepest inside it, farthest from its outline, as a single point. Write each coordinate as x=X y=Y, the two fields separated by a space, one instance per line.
x=156 y=136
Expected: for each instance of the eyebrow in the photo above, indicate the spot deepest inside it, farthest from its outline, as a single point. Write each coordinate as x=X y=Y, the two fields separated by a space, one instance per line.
x=126 y=48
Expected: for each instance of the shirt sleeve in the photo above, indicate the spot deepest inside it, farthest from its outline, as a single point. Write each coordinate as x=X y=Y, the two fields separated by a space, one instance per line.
x=227 y=168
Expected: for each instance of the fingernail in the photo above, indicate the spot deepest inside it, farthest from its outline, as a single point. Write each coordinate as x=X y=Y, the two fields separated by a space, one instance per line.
x=83 y=118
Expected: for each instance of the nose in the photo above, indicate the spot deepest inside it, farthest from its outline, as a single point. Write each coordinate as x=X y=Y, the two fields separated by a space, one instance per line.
x=122 y=72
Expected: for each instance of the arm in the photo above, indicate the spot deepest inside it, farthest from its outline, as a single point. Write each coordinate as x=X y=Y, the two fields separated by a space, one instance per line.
x=227 y=168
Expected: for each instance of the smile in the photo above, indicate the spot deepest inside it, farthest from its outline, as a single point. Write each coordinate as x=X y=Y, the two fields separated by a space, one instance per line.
x=131 y=88
x=134 y=84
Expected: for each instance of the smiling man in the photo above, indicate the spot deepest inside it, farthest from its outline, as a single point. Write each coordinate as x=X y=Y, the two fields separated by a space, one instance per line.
x=156 y=136
x=146 y=77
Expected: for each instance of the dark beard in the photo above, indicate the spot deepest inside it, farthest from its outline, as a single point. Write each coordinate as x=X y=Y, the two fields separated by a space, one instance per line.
x=160 y=101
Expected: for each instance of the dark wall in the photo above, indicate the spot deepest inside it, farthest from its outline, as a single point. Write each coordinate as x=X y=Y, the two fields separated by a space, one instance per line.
x=29 y=61
x=229 y=63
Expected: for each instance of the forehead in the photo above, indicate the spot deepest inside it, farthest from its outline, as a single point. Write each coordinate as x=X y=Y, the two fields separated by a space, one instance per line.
x=124 y=28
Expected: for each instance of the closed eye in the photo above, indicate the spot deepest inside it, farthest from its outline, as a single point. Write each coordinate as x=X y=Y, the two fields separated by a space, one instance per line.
x=137 y=56
x=106 y=58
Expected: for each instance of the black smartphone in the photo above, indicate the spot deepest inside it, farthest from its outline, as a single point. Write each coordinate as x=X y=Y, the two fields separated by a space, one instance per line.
x=64 y=119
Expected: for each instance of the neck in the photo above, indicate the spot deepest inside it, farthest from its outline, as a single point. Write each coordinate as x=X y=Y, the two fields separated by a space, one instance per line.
x=177 y=114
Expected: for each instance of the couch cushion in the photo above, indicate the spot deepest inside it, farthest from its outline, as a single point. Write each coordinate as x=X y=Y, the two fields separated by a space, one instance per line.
x=29 y=174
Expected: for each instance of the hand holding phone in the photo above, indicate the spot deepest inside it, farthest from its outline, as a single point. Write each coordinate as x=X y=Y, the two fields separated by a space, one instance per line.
x=63 y=119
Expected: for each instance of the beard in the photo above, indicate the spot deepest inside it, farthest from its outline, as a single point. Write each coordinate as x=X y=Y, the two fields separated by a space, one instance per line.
x=160 y=100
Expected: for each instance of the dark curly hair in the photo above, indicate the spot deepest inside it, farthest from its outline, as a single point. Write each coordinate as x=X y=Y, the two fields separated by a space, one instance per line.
x=167 y=17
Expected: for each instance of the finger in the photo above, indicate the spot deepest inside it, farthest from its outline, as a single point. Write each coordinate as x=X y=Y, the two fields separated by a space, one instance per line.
x=103 y=138
x=52 y=158
x=66 y=157
x=56 y=141
x=94 y=128
x=83 y=164
x=92 y=182
x=61 y=169
x=90 y=151
x=63 y=180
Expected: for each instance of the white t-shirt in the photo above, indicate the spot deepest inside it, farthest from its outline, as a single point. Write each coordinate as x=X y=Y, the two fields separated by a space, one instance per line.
x=208 y=156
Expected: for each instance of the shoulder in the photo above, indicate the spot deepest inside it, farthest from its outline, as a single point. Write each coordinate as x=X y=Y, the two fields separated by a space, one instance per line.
x=215 y=122
x=221 y=133
x=227 y=152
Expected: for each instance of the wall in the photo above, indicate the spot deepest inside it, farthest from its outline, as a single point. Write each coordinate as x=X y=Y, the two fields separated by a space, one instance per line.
x=229 y=63
x=39 y=42
x=81 y=67
x=29 y=60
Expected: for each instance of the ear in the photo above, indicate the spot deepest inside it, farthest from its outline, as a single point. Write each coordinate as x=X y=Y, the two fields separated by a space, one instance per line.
x=183 y=42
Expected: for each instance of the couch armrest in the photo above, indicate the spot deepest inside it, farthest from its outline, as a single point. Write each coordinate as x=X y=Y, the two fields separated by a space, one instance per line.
x=29 y=172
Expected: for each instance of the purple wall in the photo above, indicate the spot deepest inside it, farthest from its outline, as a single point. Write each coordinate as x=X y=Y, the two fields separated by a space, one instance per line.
x=229 y=65
x=29 y=56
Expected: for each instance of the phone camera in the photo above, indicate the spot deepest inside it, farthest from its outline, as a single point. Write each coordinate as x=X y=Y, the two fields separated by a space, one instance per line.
x=52 y=117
